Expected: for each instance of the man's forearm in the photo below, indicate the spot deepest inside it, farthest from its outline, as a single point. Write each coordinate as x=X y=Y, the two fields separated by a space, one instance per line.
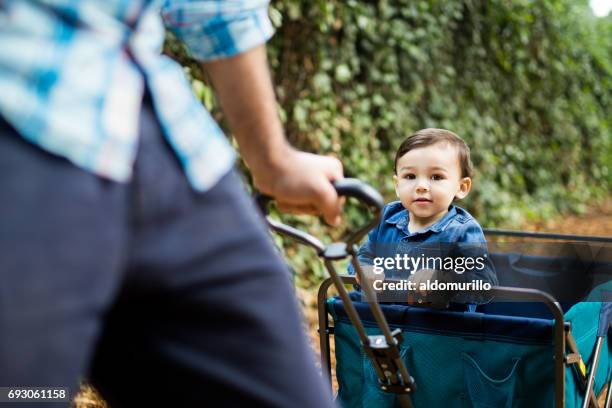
x=244 y=89
x=299 y=181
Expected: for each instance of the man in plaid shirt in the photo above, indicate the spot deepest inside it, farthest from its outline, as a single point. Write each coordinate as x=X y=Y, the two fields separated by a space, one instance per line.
x=129 y=251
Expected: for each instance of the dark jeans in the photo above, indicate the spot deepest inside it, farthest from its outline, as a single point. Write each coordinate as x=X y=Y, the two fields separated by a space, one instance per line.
x=159 y=295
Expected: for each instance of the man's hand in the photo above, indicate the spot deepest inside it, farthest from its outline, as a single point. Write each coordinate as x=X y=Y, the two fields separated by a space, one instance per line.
x=301 y=183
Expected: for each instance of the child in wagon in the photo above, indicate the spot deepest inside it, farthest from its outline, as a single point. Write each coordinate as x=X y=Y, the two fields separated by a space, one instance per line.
x=424 y=237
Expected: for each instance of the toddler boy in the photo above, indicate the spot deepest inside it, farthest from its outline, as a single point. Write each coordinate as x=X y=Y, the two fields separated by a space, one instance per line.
x=423 y=237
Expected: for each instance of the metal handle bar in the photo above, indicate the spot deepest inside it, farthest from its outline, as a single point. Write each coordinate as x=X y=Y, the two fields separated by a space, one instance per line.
x=394 y=378
x=350 y=187
x=543 y=235
x=368 y=195
x=347 y=187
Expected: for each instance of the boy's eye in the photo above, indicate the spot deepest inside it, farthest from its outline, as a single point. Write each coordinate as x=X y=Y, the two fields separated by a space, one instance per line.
x=437 y=177
x=410 y=176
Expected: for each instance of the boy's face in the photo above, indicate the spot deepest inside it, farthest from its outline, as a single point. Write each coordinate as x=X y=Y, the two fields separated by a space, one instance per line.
x=427 y=181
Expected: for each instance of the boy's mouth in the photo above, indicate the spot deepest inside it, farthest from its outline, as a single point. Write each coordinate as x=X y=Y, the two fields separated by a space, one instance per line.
x=422 y=201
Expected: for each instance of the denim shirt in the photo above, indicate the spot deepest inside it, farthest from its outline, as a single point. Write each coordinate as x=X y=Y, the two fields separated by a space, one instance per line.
x=456 y=235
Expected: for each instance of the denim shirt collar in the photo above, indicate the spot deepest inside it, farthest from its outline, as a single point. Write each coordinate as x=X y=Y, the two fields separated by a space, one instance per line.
x=401 y=219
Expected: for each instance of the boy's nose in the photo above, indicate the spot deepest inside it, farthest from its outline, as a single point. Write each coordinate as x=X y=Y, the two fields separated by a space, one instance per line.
x=422 y=185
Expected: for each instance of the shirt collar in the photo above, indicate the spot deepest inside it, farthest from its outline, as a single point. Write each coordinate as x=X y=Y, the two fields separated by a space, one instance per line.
x=400 y=220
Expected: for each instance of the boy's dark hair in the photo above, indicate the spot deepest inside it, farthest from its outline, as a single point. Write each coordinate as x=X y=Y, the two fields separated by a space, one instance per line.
x=430 y=136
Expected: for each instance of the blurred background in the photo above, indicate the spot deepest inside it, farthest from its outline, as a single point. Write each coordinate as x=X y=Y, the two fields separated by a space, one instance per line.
x=528 y=84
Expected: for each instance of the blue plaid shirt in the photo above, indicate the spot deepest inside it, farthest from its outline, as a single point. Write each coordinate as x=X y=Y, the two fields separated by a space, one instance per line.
x=73 y=73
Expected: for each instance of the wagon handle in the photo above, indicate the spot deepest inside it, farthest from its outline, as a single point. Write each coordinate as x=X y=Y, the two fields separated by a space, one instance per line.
x=348 y=187
x=351 y=187
x=382 y=350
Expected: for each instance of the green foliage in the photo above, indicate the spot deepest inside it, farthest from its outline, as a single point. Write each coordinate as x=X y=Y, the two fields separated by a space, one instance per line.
x=527 y=84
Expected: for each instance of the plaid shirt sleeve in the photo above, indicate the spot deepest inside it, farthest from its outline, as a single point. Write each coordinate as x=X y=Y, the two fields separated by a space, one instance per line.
x=218 y=29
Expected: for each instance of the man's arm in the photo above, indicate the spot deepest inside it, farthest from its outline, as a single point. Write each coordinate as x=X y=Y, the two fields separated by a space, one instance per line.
x=299 y=181
x=228 y=38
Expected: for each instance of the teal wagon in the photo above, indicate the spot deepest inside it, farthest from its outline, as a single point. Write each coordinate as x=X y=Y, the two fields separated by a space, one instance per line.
x=534 y=353
x=474 y=358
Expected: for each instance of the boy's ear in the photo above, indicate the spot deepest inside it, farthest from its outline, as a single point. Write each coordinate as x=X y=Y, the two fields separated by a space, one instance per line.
x=395 y=181
x=465 y=184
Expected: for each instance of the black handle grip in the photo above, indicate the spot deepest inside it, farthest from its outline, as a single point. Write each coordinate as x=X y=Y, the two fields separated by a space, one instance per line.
x=348 y=187
x=355 y=188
